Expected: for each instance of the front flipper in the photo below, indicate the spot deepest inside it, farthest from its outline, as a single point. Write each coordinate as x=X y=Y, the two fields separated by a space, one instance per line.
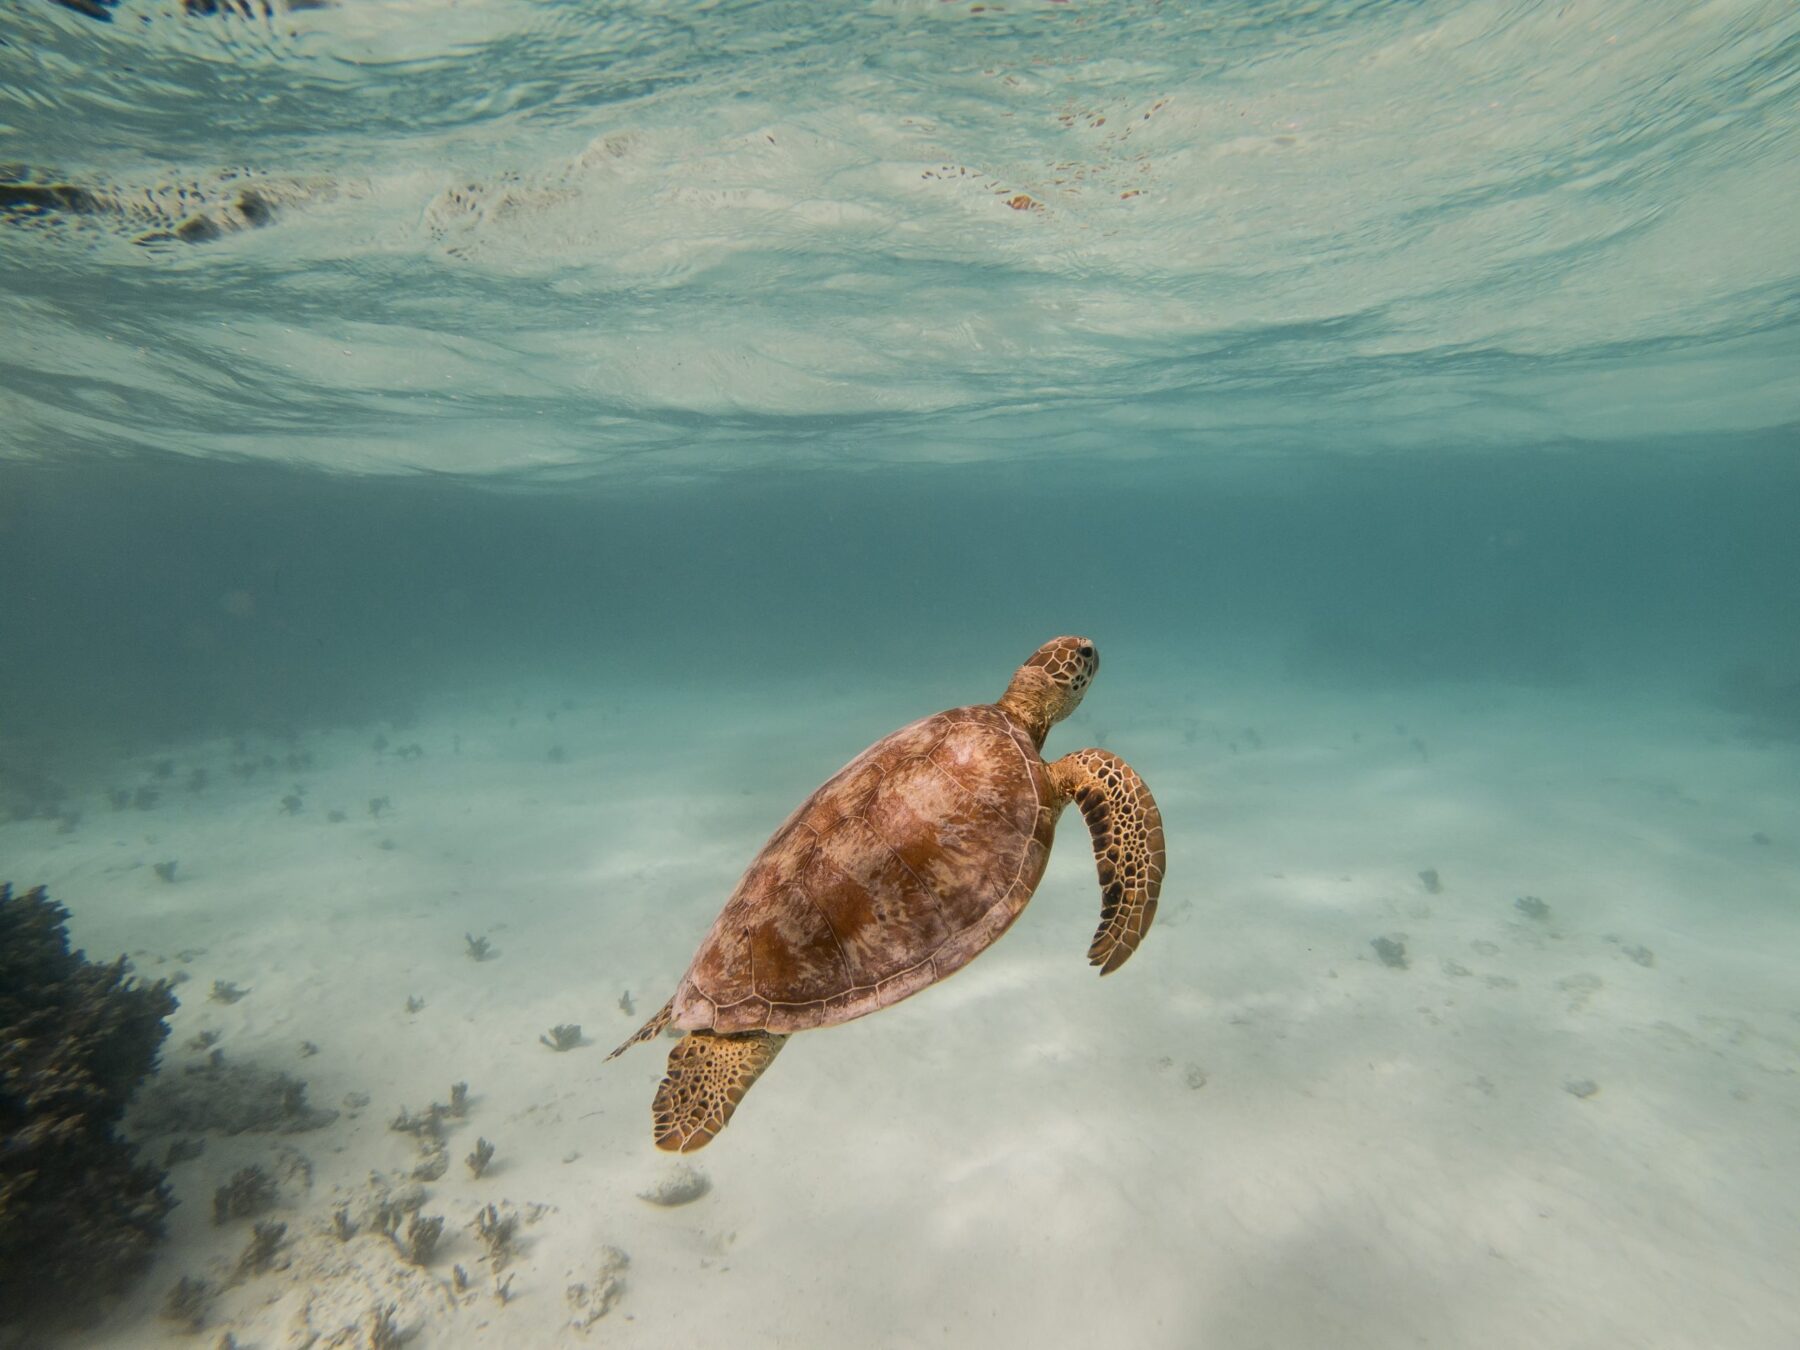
x=709 y=1074
x=1128 y=848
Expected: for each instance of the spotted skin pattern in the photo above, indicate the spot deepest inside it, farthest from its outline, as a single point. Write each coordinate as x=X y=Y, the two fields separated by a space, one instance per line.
x=1128 y=848
x=899 y=870
x=708 y=1076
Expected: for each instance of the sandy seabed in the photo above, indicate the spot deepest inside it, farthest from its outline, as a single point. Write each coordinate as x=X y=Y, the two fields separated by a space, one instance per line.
x=1569 y=1128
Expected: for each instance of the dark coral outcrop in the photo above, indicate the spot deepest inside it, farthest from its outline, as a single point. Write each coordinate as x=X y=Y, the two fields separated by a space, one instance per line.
x=79 y=1211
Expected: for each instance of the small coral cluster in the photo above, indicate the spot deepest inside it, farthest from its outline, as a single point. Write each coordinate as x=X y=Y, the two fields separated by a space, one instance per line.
x=79 y=1212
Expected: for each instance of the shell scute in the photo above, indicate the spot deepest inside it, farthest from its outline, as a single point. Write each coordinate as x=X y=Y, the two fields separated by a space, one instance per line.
x=897 y=871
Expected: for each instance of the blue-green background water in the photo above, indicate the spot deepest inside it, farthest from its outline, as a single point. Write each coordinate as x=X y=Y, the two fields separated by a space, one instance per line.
x=170 y=598
x=1432 y=338
x=750 y=378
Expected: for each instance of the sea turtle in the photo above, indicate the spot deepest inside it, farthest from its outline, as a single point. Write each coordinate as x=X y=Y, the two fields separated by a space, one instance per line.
x=897 y=871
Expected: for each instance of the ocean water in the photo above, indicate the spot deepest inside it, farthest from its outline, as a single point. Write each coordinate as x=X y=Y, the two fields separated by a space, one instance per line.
x=469 y=470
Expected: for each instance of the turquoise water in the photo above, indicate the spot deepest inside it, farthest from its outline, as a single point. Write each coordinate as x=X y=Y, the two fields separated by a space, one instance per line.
x=640 y=408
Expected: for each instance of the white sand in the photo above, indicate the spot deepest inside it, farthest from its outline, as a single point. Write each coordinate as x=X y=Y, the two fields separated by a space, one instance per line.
x=1256 y=1134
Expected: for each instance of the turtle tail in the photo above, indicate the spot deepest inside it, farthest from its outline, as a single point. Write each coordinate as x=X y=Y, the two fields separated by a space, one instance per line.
x=649 y=1031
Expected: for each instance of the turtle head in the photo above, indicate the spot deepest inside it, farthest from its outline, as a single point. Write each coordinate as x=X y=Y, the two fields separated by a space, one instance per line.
x=1049 y=686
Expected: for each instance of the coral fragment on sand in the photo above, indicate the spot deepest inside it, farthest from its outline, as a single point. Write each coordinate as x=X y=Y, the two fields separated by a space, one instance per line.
x=496 y=1234
x=1391 y=950
x=384 y=1330
x=564 y=1036
x=680 y=1185
x=592 y=1300
x=217 y=1097
x=265 y=1241
x=249 y=1192
x=421 y=1240
x=478 y=1160
x=187 y=1302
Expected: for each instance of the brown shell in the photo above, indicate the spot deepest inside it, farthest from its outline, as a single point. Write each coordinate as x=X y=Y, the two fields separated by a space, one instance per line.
x=914 y=857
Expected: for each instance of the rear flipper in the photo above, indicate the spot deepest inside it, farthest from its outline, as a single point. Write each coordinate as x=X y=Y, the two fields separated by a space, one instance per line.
x=709 y=1074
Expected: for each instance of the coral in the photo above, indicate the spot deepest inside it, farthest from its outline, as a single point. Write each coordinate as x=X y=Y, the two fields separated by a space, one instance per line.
x=79 y=1212
x=479 y=949
x=187 y=1302
x=593 y=1301
x=249 y=1192
x=459 y=1100
x=265 y=1240
x=165 y=870
x=421 y=1242
x=496 y=1235
x=1391 y=950
x=183 y=1150
x=1430 y=880
x=1532 y=907
x=680 y=1185
x=386 y=1220
x=228 y=1099
x=224 y=991
x=565 y=1036
x=428 y=1124
x=434 y=1160
x=478 y=1160
x=384 y=1331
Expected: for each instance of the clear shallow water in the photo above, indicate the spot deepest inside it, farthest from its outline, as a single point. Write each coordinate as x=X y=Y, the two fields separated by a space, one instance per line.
x=651 y=239
x=642 y=408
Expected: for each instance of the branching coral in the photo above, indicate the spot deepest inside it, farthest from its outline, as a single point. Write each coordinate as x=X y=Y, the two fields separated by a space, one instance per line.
x=79 y=1212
